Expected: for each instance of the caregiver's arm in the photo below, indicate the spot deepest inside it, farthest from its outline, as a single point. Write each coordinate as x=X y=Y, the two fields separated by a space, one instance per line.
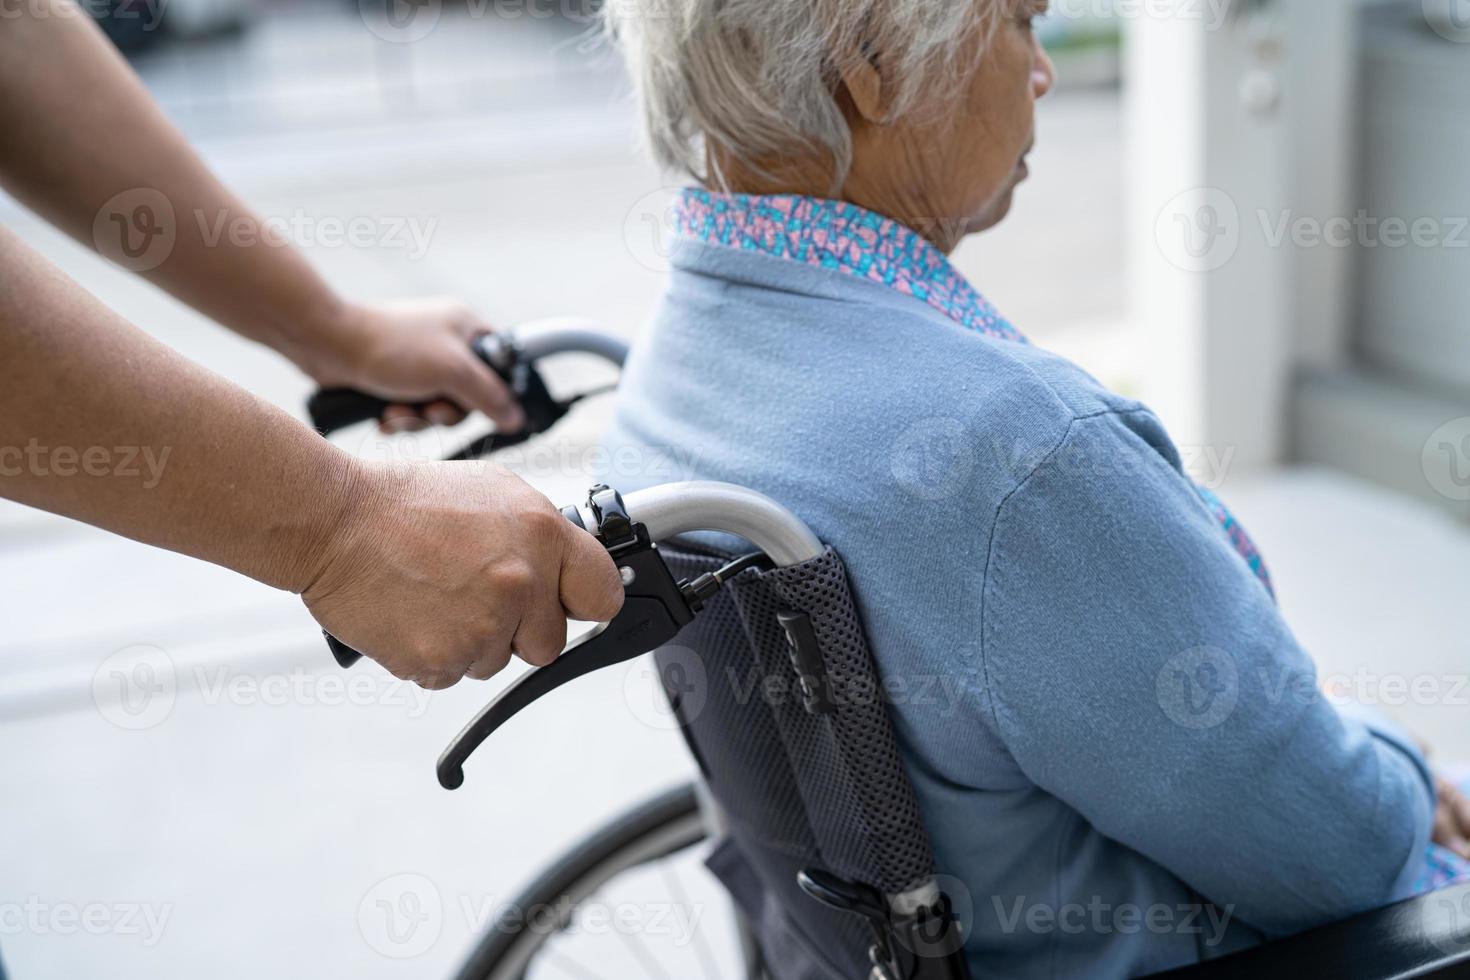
x=87 y=148
x=1141 y=672
x=434 y=570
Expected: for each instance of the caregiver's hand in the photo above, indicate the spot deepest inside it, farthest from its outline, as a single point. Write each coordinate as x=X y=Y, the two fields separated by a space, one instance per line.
x=1451 y=817
x=441 y=571
x=438 y=570
x=416 y=353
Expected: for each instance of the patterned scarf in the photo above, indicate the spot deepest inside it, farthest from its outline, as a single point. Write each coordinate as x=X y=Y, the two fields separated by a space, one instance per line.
x=847 y=238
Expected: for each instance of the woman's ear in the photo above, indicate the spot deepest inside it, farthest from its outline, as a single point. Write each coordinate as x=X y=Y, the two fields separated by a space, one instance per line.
x=863 y=80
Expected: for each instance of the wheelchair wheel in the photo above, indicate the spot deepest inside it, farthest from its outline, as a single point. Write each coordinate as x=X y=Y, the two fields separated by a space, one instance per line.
x=634 y=899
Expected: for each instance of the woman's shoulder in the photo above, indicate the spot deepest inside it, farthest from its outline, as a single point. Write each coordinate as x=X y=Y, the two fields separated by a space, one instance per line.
x=1015 y=387
x=815 y=376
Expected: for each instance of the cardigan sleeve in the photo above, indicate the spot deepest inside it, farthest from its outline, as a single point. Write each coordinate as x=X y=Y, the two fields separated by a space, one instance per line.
x=1139 y=671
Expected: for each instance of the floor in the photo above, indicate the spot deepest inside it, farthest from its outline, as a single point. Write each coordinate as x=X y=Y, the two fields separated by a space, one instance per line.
x=239 y=812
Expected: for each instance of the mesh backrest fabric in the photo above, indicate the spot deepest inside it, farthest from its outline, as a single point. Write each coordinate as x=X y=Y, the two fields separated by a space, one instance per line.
x=889 y=847
x=798 y=789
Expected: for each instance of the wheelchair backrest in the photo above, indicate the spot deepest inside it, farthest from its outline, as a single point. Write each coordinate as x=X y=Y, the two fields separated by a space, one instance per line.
x=800 y=755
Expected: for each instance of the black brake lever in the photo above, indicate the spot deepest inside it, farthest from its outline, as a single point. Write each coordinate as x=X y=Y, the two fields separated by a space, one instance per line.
x=655 y=608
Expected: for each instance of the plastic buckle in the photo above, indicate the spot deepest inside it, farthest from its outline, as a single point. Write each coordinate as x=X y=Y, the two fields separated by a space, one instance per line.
x=932 y=936
x=859 y=899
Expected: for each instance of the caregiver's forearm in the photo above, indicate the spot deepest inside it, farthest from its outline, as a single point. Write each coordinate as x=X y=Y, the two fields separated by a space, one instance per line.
x=101 y=423
x=84 y=139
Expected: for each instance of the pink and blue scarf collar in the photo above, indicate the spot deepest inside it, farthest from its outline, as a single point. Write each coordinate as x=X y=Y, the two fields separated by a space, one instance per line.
x=846 y=238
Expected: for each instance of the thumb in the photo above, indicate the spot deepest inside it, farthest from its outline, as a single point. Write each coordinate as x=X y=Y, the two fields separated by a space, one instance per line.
x=591 y=588
x=477 y=387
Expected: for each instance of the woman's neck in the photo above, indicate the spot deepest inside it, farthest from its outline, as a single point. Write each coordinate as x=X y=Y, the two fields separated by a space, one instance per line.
x=814 y=178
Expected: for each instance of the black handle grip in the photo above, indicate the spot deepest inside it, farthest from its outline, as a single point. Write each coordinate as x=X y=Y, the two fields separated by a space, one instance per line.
x=346 y=656
x=336 y=408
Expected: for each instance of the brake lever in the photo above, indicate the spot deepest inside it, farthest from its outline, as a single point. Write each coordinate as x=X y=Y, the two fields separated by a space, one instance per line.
x=655 y=608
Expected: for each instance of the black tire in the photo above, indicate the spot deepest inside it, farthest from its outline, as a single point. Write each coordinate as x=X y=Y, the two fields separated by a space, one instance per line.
x=656 y=829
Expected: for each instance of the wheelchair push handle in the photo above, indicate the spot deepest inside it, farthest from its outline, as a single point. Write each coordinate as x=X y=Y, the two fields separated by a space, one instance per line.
x=656 y=606
x=331 y=409
x=663 y=512
x=513 y=360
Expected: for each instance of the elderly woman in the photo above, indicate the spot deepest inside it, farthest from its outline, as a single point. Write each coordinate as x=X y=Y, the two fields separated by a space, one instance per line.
x=1133 y=726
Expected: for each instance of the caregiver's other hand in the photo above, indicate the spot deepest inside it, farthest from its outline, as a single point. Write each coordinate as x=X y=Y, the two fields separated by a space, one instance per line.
x=1451 y=817
x=440 y=571
x=415 y=353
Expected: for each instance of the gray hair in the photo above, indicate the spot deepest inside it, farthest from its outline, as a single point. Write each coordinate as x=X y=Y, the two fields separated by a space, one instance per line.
x=756 y=77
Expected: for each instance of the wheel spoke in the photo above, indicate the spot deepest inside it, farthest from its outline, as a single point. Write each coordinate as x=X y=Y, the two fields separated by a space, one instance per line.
x=632 y=859
x=701 y=942
x=639 y=949
x=568 y=965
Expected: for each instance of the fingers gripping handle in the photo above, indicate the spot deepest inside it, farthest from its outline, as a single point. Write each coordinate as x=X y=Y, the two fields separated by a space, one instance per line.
x=331 y=409
x=655 y=608
x=346 y=656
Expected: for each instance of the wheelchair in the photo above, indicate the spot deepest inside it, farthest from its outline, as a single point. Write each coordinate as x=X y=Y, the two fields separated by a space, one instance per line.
x=803 y=815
